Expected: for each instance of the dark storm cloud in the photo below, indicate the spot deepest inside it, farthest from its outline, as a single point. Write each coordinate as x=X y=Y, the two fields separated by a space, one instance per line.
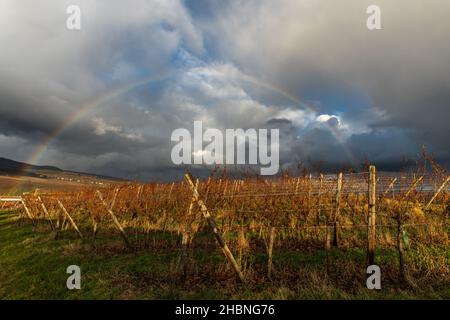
x=377 y=95
x=48 y=73
x=402 y=71
x=24 y=112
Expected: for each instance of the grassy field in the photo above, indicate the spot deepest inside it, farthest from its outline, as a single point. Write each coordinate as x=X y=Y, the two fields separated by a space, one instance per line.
x=33 y=266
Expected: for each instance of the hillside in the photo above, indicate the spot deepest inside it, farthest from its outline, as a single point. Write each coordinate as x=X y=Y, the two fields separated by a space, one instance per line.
x=18 y=177
x=16 y=167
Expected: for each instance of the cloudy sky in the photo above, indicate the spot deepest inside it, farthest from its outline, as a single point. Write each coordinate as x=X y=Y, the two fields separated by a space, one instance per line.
x=338 y=92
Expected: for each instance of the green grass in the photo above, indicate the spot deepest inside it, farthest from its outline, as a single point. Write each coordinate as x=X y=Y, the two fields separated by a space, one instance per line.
x=33 y=266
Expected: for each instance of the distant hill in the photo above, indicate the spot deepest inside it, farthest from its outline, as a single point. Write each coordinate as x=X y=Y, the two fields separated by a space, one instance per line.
x=15 y=167
x=11 y=167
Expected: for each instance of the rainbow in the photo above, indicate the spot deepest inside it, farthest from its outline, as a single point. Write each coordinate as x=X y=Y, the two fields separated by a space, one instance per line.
x=84 y=109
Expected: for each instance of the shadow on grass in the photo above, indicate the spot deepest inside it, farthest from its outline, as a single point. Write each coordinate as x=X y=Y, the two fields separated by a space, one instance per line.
x=34 y=267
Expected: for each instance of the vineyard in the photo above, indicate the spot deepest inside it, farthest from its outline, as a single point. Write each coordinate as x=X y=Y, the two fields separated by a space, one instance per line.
x=260 y=225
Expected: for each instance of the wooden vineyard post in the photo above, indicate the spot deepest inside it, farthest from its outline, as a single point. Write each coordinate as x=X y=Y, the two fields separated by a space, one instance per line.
x=400 y=247
x=27 y=210
x=327 y=241
x=309 y=196
x=116 y=222
x=225 y=189
x=337 y=211
x=185 y=253
x=371 y=215
x=58 y=224
x=212 y=225
x=413 y=186
x=138 y=194
x=186 y=239
x=319 y=200
x=403 y=275
x=113 y=201
x=391 y=185
x=70 y=219
x=270 y=252
x=95 y=223
x=171 y=189
x=46 y=213
x=94 y=227
x=437 y=192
